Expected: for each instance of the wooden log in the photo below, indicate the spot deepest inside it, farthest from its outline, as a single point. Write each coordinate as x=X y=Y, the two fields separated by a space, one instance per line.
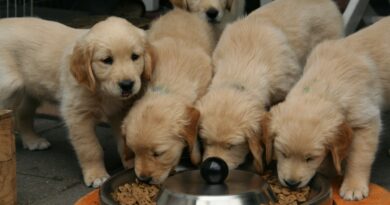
x=7 y=159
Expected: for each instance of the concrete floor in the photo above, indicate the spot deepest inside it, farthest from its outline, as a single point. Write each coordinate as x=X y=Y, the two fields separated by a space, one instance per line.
x=54 y=177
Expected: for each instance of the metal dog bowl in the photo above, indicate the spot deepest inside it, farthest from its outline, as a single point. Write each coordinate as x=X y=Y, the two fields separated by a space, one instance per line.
x=215 y=184
x=191 y=187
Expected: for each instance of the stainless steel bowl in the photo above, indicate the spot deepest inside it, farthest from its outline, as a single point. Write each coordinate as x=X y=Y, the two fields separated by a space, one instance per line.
x=112 y=184
x=320 y=193
x=239 y=188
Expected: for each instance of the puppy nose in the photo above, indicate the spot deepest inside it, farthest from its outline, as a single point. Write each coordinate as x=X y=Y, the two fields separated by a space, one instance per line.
x=212 y=13
x=144 y=179
x=126 y=85
x=292 y=183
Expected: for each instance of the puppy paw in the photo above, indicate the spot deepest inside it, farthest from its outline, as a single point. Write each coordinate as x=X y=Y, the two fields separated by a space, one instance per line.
x=354 y=191
x=94 y=180
x=36 y=143
x=99 y=181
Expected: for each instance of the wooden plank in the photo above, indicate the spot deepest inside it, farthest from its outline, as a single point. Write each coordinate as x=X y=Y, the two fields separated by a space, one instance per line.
x=7 y=159
x=5 y=114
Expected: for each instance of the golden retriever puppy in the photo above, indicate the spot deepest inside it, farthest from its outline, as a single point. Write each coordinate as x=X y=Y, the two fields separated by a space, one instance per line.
x=164 y=121
x=335 y=108
x=92 y=74
x=217 y=12
x=257 y=60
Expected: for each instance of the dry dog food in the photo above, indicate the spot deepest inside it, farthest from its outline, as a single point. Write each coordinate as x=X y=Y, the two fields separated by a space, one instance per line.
x=136 y=194
x=144 y=194
x=284 y=195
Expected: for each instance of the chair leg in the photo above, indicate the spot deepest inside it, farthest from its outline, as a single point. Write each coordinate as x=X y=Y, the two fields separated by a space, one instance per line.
x=151 y=5
x=263 y=2
x=353 y=14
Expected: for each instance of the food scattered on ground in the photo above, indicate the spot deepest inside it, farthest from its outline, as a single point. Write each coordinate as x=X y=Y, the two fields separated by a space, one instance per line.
x=136 y=193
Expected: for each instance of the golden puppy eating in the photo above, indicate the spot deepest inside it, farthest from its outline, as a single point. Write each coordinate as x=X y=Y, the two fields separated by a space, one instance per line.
x=257 y=60
x=335 y=108
x=92 y=74
x=217 y=12
x=163 y=122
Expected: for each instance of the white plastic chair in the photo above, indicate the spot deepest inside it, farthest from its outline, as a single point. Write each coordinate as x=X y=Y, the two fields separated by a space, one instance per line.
x=356 y=11
x=151 y=5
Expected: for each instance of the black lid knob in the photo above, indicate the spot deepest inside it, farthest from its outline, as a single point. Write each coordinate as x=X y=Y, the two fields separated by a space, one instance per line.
x=214 y=170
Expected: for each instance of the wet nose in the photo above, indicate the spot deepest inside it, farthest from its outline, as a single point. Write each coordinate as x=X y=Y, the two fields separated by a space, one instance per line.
x=292 y=183
x=212 y=13
x=126 y=85
x=144 y=179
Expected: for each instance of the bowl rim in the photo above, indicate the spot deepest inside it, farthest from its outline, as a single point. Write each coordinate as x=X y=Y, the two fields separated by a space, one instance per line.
x=106 y=189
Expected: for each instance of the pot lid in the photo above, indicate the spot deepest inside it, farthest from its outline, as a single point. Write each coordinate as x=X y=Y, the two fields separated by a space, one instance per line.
x=214 y=179
x=238 y=182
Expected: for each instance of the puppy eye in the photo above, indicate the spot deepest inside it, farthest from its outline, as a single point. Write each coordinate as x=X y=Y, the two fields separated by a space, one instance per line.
x=134 y=56
x=108 y=61
x=157 y=154
x=284 y=155
x=208 y=144
x=309 y=159
x=229 y=146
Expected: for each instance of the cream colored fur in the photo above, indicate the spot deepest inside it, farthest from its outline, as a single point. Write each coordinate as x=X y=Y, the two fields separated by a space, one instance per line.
x=228 y=11
x=163 y=122
x=335 y=108
x=257 y=60
x=46 y=61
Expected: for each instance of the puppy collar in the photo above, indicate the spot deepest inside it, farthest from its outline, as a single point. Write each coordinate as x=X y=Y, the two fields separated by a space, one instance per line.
x=235 y=86
x=159 y=89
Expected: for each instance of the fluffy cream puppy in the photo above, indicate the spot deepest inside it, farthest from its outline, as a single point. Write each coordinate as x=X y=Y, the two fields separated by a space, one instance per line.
x=217 y=12
x=92 y=74
x=164 y=121
x=257 y=60
x=335 y=108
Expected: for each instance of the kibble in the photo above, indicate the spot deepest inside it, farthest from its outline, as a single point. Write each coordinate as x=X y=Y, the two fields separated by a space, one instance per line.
x=284 y=195
x=136 y=194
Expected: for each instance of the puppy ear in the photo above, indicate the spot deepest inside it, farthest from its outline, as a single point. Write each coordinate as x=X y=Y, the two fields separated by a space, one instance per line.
x=266 y=138
x=339 y=147
x=180 y=4
x=149 y=59
x=81 y=65
x=256 y=140
x=123 y=128
x=190 y=133
x=229 y=4
x=127 y=152
x=255 y=148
